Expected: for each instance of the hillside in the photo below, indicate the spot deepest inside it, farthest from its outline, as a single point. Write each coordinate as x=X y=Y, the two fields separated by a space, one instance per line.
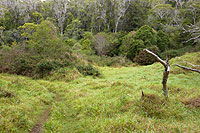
x=111 y=103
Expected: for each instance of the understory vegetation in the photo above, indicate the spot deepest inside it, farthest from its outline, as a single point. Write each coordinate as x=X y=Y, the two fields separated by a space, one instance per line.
x=111 y=103
x=38 y=38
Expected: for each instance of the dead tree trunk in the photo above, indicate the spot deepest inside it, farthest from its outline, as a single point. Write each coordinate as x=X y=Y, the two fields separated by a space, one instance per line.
x=187 y=68
x=165 y=73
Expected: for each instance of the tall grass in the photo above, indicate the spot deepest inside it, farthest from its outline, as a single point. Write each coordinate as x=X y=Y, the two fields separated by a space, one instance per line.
x=110 y=103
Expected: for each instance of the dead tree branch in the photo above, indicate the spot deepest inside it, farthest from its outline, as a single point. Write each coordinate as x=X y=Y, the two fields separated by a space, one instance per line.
x=194 y=30
x=187 y=68
x=165 y=73
x=189 y=63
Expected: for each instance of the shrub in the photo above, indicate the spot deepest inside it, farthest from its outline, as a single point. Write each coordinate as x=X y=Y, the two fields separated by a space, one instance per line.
x=37 y=57
x=44 y=67
x=74 y=30
x=86 y=44
x=88 y=70
x=136 y=46
x=162 y=40
x=144 y=58
x=126 y=43
x=102 y=43
x=178 y=52
x=147 y=35
x=70 y=42
x=64 y=74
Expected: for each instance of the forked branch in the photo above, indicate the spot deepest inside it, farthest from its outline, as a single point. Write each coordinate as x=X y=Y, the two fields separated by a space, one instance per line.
x=165 y=73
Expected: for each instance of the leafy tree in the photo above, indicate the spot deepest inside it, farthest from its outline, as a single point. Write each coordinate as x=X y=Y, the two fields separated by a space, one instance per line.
x=60 y=9
x=162 y=40
x=70 y=42
x=1 y=30
x=126 y=44
x=27 y=30
x=135 y=17
x=89 y=39
x=74 y=30
x=102 y=43
x=36 y=17
x=147 y=35
x=136 y=46
x=10 y=36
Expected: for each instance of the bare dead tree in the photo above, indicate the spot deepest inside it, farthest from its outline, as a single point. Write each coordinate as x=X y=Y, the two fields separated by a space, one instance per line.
x=187 y=68
x=165 y=73
x=121 y=8
x=194 y=30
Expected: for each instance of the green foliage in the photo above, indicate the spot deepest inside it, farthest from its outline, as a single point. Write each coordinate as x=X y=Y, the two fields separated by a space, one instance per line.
x=10 y=36
x=77 y=47
x=8 y=21
x=147 y=35
x=135 y=16
x=27 y=30
x=36 y=17
x=108 y=61
x=88 y=70
x=136 y=46
x=102 y=43
x=143 y=58
x=43 y=53
x=70 y=42
x=45 y=31
x=109 y=104
x=126 y=43
x=22 y=103
x=136 y=41
x=74 y=30
x=162 y=40
x=44 y=67
x=86 y=44
x=90 y=39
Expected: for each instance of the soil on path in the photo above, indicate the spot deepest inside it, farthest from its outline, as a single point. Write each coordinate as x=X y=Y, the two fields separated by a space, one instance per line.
x=38 y=127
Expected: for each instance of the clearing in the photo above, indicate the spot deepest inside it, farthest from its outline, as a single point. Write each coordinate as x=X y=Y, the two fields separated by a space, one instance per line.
x=111 y=103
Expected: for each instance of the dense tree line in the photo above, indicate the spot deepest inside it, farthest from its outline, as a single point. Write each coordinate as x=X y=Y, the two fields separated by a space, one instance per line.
x=103 y=27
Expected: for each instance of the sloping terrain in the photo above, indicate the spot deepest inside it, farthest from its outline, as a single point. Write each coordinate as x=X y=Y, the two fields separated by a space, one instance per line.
x=111 y=103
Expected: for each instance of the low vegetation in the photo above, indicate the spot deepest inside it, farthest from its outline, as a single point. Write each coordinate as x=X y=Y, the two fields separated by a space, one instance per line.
x=111 y=103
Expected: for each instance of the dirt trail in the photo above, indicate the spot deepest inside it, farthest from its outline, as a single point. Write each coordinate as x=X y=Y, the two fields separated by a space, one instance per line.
x=38 y=127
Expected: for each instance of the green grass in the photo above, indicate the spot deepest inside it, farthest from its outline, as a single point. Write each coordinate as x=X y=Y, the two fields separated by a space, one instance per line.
x=111 y=103
x=21 y=101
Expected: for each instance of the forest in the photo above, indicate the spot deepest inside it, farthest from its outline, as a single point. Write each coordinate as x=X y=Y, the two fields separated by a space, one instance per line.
x=97 y=66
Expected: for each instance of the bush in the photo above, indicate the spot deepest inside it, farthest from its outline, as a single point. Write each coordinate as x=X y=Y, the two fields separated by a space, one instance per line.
x=126 y=43
x=106 y=44
x=163 y=42
x=144 y=58
x=88 y=70
x=178 y=52
x=102 y=43
x=70 y=42
x=44 y=67
x=64 y=74
x=37 y=57
x=147 y=35
x=74 y=30
x=136 y=46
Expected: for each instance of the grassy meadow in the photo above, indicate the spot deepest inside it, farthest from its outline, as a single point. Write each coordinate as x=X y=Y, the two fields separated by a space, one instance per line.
x=109 y=103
